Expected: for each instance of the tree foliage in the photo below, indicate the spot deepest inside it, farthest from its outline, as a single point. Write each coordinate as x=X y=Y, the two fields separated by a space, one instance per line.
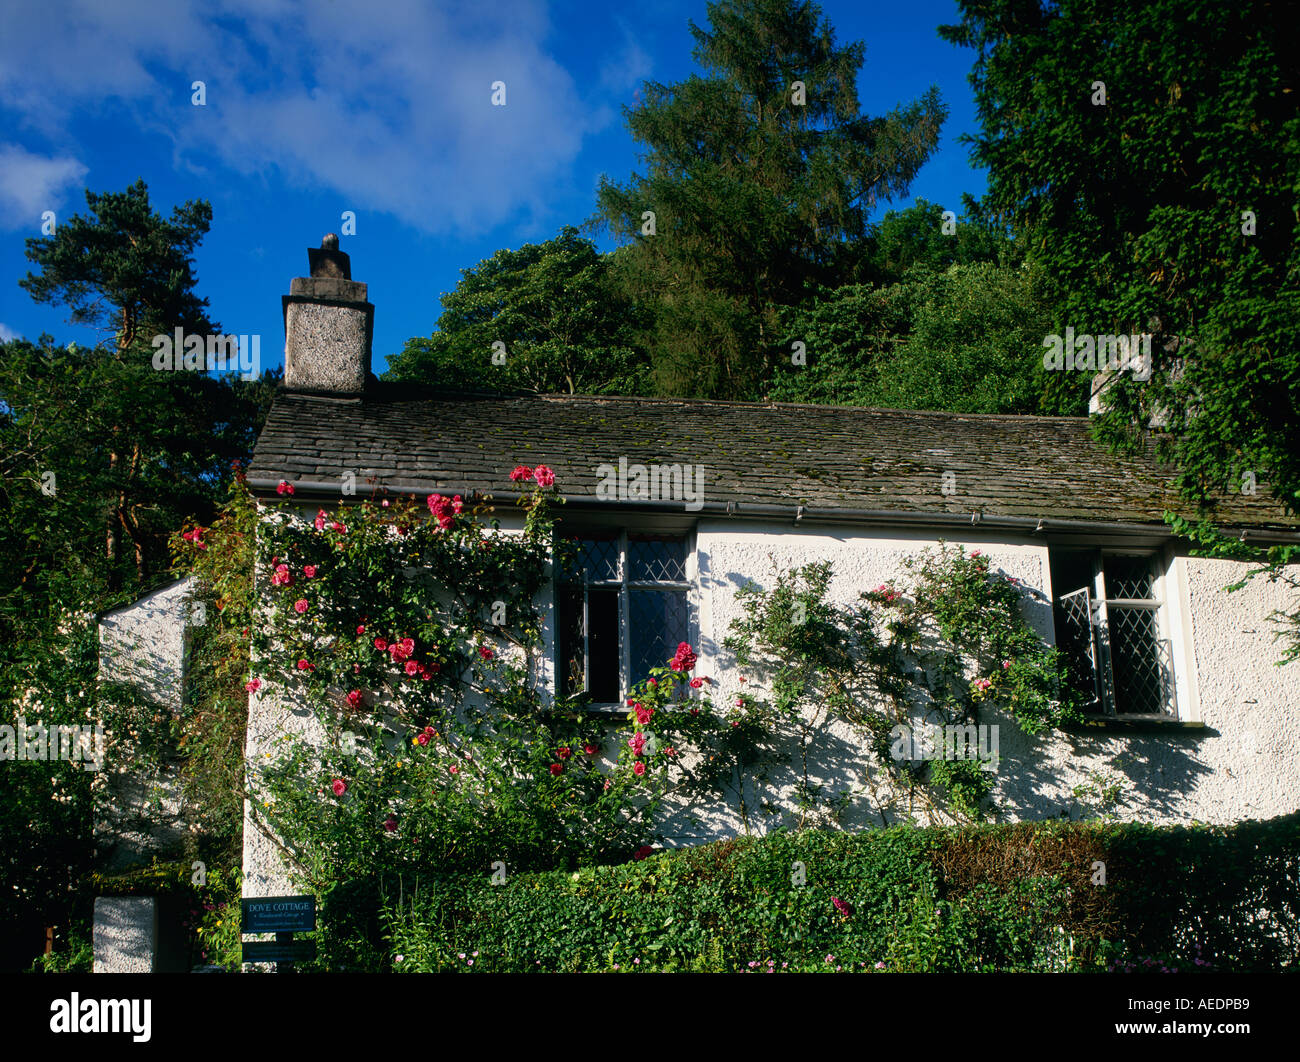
x=760 y=176
x=563 y=324
x=1170 y=208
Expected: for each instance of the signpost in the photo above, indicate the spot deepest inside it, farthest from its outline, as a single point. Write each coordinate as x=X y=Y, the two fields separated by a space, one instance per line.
x=283 y=916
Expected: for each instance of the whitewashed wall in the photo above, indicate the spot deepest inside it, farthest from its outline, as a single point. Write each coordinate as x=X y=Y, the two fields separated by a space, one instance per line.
x=1242 y=764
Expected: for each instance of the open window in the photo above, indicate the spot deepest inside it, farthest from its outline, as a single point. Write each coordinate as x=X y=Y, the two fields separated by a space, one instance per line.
x=623 y=606
x=1113 y=626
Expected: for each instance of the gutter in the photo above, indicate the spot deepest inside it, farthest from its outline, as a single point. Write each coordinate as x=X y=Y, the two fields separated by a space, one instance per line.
x=1024 y=525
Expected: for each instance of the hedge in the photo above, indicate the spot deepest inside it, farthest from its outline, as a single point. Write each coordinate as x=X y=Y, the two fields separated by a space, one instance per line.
x=1022 y=897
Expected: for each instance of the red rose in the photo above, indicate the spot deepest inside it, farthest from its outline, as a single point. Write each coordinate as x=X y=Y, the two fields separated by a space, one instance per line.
x=521 y=474
x=638 y=768
x=309 y=570
x=361 y=629
x=381 y=644
x=354 y=698
x=339 y=786
x=412 y=668
x=557 y=768
x=390 y=823
x=642 y=852
x=590 y=750
x=564 y=753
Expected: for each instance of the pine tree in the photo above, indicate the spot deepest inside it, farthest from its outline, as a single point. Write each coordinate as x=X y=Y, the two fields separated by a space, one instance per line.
x=760 y=177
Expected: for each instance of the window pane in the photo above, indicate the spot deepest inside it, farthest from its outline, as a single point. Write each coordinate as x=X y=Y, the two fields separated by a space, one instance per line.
x=572 y=655
x=656 y=559
x=1141 y=662
x=659 y=621
x=598 y=620
x=1128 y=578
x=595 y=561
x=1074 y=639
x=603 y=644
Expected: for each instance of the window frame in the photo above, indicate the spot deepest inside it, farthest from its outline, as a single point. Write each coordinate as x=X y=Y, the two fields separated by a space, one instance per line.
x=622 y=534
x=1101 y=652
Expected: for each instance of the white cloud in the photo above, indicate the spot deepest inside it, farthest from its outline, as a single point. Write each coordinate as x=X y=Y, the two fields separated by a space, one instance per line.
x=386 y=105
x=7 y=333
x=31 y=184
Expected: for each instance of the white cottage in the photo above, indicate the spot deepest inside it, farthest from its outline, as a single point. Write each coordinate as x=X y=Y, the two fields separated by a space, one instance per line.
x=678 y=504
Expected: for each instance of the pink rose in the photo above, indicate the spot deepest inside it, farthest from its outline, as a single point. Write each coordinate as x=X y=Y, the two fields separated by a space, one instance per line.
x=421 y=739
x=381 y=644
x=521 y=474
x=320 y=519
x=590 y=750
x=643 y=714
x=354 y=698
x=412 y=668
x=454 y=769
x=253 y=685
x=339 y=786
x=638 y=768
x=300 y=606
x=544 y=476
x=636 y=743
x=564 y=753
x=685 y=658
x=361 y=628
x=304 y=666
x=284 y=487
x=309 y=570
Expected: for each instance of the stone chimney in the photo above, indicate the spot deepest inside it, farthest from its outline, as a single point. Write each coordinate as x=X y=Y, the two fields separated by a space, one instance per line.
x=328 y=325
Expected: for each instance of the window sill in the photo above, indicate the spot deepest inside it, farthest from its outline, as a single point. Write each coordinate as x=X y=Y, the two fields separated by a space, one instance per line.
x=1134 y=724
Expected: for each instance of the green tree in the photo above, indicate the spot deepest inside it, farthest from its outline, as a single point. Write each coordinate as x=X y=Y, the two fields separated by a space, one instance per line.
x=760 y=176
x=563 y=322
x=968 y=339
x=1148 y=152
x=138 y=449
x=920 y=235
x=97 y=449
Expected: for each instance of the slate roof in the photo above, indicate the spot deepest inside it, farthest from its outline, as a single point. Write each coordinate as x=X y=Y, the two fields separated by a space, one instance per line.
x=759 y=458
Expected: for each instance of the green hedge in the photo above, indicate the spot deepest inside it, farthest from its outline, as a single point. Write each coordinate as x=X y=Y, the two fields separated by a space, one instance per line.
x=991 y=898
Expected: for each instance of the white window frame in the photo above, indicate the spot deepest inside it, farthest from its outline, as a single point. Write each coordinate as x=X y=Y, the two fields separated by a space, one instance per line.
x=1168 y=605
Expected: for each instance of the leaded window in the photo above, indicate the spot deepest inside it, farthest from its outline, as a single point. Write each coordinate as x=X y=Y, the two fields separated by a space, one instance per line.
x=623 y=607
x=1111 y=624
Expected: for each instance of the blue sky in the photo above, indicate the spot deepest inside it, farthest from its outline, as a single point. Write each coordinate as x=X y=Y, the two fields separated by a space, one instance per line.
x=378 y=107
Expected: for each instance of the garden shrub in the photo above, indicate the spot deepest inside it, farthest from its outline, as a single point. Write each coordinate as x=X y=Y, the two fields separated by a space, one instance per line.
x=984 y=899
